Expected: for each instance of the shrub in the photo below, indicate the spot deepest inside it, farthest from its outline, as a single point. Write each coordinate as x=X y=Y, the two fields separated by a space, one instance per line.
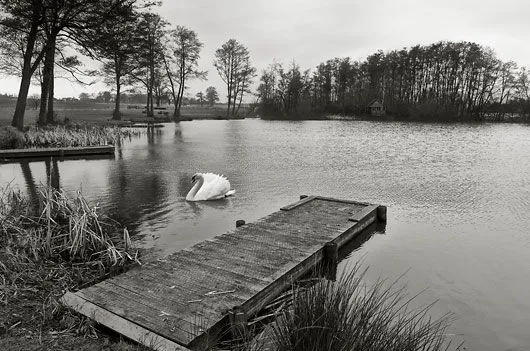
x=11 y=138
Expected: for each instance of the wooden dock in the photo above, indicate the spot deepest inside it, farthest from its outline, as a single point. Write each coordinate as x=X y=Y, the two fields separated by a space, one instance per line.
x=56 y=152
x=146 y=125
x=182 y=301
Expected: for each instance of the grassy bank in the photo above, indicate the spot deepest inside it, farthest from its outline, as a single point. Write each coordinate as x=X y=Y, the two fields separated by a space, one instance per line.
x=47 y=246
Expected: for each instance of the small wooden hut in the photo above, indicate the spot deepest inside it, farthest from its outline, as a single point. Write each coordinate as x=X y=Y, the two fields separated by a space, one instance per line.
x=377 y=108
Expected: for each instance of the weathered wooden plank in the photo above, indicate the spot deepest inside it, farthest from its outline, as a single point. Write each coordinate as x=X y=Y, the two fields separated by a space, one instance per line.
x=303 y=223
x=298 y=203
x=172 y=320
x=309 y=228
x=302 y=232
x=306 y=229
x=208 y=306
x=282 y=280
x=227 y=262
x=369 y=218
x=260 y=255
x=316 y=212
x=187 y=272
x=185 y=285
x=223 y=255
x=250 y=280
x=119 y=324
x=151 y=319
x=320 y=206
x=181 y=292
x=133 y=306
x=269 y=243
x=197 y=279
x=357 y=216
x=353 y=202
x=292 y=240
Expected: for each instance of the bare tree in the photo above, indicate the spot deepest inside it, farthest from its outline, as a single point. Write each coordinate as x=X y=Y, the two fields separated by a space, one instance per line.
x=26 y=17
x=181 y=62
x=232 y=62
x=115 y=45
x=48 y=20
x=12 y=45
x=149 y=56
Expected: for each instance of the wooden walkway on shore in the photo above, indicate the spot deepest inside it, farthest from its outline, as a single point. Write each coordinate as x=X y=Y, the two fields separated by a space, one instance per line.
x=215 y=286
x=11 y=154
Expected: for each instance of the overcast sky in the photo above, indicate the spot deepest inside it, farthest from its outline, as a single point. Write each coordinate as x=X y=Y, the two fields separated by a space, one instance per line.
x=312 y=31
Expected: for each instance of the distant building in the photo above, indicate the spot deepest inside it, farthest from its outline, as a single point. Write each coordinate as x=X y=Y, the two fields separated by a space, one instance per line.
x=377 y=109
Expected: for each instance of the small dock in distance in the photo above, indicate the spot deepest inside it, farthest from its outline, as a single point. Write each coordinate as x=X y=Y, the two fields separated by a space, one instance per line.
x=216 y=286
x=12 y=154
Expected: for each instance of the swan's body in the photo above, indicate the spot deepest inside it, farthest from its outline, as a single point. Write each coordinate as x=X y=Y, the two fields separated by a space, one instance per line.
x=209 y=186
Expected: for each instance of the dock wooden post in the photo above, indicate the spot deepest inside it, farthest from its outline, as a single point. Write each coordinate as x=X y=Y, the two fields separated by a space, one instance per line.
x=238 y=323
x=331 y=260
x=381 y=213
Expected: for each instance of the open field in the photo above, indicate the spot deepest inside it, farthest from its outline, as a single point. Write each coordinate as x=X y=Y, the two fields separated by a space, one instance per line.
x=93 y=112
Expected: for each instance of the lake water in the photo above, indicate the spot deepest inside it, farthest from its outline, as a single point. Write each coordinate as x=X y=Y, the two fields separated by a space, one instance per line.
x=458 y=198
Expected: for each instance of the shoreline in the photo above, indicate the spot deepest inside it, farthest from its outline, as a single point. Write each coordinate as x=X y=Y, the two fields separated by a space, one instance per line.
x=391 y=118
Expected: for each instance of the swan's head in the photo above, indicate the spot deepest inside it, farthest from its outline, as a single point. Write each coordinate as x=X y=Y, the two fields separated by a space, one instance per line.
x=195 y=177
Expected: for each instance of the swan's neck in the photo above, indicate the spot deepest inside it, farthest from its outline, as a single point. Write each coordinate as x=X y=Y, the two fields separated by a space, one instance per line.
x=195 y=189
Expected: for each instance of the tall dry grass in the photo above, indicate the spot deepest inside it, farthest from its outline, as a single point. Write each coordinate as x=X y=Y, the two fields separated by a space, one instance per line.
x=348 y=315
x=47 y=247
x=60 y=227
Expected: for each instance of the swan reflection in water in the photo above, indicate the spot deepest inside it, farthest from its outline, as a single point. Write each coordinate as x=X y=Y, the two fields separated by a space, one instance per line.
x=205 y=209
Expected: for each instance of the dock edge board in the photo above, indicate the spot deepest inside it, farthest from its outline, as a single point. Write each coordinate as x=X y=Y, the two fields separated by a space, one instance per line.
x=120 y=324
x=305 y=199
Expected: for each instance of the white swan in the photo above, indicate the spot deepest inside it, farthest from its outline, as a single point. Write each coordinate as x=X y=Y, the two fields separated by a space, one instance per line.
x=209 y=186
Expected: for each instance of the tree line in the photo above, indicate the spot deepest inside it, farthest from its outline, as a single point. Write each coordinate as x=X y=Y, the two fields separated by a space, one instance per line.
x=135 y=46
x=442 y=81
x=210 y=97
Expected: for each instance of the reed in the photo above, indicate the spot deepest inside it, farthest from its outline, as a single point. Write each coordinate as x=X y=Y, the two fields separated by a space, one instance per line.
x=348 y=315
x=55 y=244
x=59 y=227
x=77 y=135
